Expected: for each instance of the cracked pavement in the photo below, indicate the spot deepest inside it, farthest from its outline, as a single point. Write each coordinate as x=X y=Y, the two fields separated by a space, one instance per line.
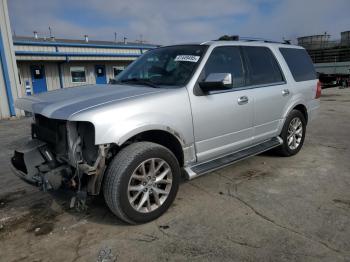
x=265 y=208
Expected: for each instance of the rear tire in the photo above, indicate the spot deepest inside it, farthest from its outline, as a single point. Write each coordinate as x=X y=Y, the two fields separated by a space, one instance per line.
x=293 y=134
x=141 y=182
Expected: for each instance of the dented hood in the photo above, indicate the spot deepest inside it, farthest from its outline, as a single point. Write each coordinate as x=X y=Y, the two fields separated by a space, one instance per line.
x=63 y=103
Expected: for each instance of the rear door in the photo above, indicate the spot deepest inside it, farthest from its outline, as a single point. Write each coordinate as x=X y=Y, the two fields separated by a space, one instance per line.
x=304 y=76
x=223 y=120
x=271 y=93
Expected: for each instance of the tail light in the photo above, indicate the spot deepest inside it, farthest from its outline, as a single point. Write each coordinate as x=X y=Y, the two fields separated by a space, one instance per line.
x=318 y=90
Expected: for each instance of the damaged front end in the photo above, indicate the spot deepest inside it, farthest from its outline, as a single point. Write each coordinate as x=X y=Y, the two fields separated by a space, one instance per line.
x=62 y=154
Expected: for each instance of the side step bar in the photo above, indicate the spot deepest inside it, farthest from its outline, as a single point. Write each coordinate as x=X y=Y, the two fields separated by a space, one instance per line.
x=212 y=165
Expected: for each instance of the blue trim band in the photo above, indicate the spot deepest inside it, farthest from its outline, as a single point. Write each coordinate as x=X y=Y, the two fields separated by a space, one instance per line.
x=126 y=46
x=31 y=53
x=6 y=77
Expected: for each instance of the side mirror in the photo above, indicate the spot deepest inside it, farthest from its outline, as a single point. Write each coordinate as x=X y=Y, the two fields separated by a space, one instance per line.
x=216 y=81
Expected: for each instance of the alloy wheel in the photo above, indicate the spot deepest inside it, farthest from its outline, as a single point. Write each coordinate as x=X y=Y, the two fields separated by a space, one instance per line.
x=150 y=185
x=295 y=133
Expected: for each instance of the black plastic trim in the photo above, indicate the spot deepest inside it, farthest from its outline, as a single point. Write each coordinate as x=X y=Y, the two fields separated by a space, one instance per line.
x=235 y=157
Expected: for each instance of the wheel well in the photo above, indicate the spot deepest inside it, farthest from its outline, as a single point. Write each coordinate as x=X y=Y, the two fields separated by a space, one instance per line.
x=162 y=138
x=303 y=110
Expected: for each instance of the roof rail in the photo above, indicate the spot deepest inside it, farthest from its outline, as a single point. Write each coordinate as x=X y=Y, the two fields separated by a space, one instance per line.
x=250 y=39
x=286 y=42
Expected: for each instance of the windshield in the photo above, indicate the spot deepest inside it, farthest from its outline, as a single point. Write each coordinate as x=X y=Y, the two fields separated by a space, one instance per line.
x=170 y=66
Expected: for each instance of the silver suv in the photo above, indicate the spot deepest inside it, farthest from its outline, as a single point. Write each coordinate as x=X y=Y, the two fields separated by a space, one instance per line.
x=192 y=108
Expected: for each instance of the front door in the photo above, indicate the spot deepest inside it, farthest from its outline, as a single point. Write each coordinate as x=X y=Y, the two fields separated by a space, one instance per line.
x=100 y=72
x=38 y=79
x=223 y=120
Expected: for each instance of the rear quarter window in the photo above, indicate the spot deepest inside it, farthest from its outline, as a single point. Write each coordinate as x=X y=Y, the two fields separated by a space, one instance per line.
x=299 y=63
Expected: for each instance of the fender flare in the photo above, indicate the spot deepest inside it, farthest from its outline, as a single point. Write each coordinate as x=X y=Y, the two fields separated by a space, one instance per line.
x=289 y=109
x=144 y=128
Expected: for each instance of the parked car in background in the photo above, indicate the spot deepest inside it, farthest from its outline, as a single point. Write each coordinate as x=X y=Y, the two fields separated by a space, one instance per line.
x=196 y=107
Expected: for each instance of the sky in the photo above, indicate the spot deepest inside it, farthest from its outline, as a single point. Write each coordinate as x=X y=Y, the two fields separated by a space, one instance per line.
x=177 y=21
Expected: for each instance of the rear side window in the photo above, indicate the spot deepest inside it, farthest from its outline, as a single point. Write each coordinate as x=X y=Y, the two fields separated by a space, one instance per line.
x=299 y=63
x=262 y=66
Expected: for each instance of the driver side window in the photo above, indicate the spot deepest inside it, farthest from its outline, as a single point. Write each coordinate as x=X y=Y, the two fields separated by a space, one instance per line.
x=226 y=59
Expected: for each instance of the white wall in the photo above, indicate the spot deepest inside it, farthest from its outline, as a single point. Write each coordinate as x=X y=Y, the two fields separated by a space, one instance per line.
x=9 y=56
x=52 y=72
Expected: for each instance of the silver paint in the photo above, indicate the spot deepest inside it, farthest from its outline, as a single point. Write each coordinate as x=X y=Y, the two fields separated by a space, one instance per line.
x=206 y=126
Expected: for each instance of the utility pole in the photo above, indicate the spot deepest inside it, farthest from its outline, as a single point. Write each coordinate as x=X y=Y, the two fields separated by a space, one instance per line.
x=141 y=38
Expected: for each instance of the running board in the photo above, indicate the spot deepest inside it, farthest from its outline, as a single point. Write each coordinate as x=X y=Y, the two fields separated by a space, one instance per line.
x=212 y=165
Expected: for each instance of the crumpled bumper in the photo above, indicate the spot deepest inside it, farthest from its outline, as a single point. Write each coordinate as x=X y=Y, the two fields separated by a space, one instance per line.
x=25 y=161
x=36 y=165
x=23 y=176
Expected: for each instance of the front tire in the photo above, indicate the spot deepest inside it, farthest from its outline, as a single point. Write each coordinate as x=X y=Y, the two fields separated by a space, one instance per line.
x=293 y=134
x=141 y=182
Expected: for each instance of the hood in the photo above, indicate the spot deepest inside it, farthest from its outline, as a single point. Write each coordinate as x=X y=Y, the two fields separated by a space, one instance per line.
x=62 y=103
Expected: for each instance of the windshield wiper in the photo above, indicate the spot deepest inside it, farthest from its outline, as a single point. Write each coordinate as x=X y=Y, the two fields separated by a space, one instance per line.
x=140 y=81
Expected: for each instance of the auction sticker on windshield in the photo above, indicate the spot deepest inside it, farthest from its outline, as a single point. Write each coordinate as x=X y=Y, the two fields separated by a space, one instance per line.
x=187 y=58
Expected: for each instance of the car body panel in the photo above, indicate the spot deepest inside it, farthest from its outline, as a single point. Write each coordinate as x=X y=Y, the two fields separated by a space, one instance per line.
x=160 y=111
x=221 y=125
x=63 y=103
x=269 y=105
x=206 y=126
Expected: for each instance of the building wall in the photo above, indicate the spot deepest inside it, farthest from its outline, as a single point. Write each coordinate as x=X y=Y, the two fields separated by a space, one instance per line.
x=8 y=68
x=89 y=71
x=52 y=72
x=51 y=75
x=72 y=49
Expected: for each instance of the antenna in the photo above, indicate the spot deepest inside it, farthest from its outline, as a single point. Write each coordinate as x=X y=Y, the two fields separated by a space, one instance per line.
x=51 y=36
x=115 y=37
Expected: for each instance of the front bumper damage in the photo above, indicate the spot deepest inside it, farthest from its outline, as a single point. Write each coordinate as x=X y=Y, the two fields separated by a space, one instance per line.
x=36 y=164
x=62 y=154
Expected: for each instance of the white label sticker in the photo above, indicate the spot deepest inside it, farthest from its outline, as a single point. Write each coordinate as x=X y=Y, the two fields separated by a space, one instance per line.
x=187 y=58
x=37 y=72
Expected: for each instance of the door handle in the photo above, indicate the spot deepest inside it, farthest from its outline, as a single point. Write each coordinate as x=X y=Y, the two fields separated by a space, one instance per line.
x=242 y=100
x=285 y=92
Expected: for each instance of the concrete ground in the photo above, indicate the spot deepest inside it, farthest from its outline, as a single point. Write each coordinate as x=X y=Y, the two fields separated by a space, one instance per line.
x=265 y=208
